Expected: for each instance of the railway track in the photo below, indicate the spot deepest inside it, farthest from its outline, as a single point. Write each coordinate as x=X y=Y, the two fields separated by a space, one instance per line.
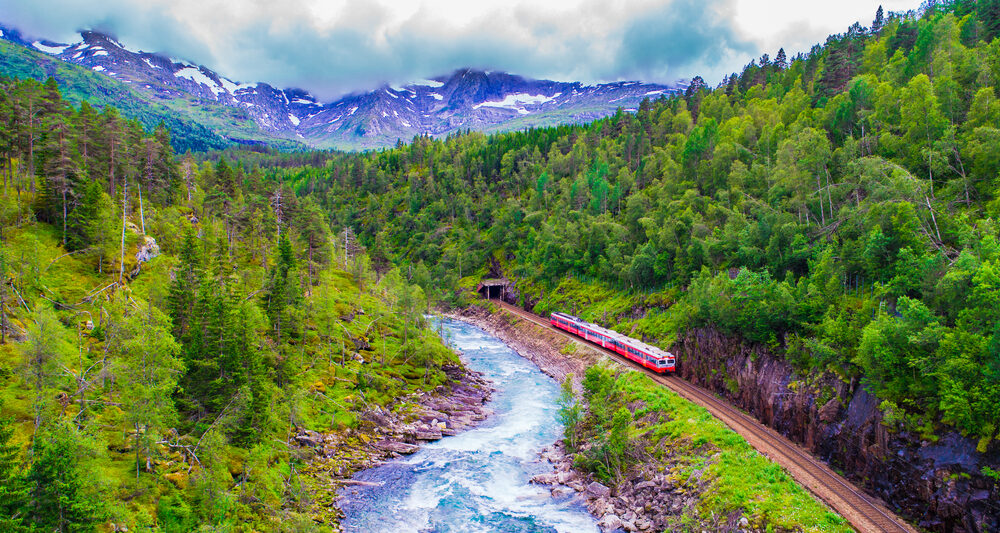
x=860 y=510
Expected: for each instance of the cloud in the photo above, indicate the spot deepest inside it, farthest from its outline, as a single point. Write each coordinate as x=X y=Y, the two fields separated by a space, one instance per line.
x=332 y=47
x=688 y=36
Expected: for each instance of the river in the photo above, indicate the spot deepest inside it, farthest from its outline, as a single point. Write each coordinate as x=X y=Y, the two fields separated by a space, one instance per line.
x=476 y=480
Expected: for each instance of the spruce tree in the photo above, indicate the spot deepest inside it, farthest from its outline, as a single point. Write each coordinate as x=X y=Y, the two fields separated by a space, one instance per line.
x=184 y=289
x=12 y=488
x=781 y=60
x=282 y=291
x=879 y=21
x=57 y=496
x=81 y=220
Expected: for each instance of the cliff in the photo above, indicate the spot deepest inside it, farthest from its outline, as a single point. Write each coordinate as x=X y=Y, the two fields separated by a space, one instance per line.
x=940 y=485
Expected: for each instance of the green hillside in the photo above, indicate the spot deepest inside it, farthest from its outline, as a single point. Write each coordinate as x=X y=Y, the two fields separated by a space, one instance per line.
x=157 y=363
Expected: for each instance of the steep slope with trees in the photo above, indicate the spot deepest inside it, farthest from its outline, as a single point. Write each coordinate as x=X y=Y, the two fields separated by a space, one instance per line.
x=169 y=329
x=837 y=209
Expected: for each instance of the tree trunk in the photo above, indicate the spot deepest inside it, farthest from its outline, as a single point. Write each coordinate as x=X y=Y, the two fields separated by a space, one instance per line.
x=31 y=145
x=64 y=210
x=142 y=218
x=819 y=189
x=121 y=270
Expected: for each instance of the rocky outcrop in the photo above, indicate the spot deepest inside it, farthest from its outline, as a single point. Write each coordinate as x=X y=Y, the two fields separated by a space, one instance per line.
x=941 y=485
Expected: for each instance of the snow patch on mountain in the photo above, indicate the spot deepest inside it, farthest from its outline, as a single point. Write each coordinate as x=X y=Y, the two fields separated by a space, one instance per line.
x=196 y=76
x=53 y=50
x=294 y=119
x=429 y=83
x=230 y=86
x=516 y=101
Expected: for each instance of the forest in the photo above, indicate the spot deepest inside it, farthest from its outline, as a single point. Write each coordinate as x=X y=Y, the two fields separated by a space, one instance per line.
x=168 y=321
x=168 y=327
x=839 y=206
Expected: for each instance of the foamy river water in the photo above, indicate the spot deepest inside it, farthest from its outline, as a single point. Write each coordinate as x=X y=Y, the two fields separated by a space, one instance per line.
x=477 y=480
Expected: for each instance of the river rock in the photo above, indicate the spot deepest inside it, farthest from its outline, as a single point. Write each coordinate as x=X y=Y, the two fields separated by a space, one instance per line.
x=561 y=492
x=598 y=490
x=427 y=433
x=545 y=479
x=610 y=522
x=644 y=485
x=401 y=448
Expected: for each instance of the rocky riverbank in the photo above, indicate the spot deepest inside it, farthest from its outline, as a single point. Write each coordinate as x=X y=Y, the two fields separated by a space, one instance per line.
x=385 y=434
x=652 y=497
x=651 y=500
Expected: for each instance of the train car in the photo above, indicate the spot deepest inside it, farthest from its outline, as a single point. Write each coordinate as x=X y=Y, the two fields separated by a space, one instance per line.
x=648 y=356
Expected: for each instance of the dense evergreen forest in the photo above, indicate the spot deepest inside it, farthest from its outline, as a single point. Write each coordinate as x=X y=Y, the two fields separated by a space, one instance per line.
x=167 y=328
x=839 y=206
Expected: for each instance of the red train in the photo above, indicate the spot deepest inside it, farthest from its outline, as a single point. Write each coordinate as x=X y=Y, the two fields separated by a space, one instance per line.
x=648 y=356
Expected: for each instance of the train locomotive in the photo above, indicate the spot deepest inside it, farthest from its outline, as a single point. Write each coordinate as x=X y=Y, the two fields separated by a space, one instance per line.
x=648 y=356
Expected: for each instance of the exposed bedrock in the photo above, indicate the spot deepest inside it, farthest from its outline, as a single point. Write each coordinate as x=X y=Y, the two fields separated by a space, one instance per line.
x=941 y=485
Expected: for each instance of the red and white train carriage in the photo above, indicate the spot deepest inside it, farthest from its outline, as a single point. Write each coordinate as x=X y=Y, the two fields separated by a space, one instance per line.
x=648 y=356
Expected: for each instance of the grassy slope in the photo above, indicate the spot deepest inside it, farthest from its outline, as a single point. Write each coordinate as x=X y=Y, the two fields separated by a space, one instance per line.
x=738 y=476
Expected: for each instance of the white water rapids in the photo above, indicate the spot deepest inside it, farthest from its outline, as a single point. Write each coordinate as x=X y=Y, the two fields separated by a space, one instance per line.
x=476 y=480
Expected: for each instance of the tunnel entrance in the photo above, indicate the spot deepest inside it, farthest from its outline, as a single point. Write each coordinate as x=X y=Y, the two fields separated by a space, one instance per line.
x=492 y=289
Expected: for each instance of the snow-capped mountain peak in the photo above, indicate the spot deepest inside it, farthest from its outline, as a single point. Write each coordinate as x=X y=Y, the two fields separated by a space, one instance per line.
x=466 y=99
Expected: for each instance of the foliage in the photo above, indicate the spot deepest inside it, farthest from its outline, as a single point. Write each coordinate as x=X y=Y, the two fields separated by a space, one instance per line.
x=169 y=327
x=839 y=206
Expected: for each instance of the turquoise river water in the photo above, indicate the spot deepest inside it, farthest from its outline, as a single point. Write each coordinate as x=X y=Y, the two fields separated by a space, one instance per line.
x=476 y=480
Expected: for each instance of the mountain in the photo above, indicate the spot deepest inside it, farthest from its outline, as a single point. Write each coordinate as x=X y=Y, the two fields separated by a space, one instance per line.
x=472 y=99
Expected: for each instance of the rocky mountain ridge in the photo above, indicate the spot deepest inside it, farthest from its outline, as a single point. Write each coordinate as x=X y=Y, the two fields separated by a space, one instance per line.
x=467 y=99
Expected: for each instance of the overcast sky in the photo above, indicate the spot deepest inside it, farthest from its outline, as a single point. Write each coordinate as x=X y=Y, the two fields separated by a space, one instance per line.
x=331 y=47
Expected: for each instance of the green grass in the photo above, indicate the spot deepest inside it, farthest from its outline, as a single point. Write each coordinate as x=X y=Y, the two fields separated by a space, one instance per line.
x=739 y=477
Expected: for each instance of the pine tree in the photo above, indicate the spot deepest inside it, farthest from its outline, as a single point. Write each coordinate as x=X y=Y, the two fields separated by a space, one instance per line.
x=44 y=352
x=781 y=60
x=62 y=169
x=879 y=21
x=13 y=491
x=184 y=289
x=58 y=499
x=148 y=376
x=4 y=295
